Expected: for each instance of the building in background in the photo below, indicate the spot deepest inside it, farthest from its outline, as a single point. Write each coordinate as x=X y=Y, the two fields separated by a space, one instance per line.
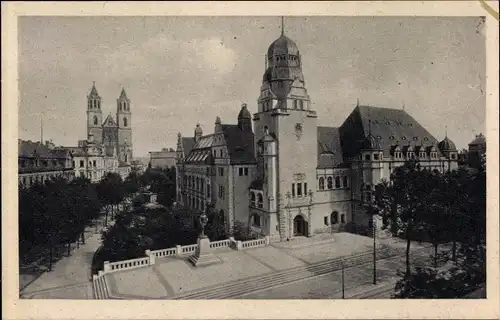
x=477 y=151
x=113 y=133
x=289 y=177
x=39 y=162
x=166 y=158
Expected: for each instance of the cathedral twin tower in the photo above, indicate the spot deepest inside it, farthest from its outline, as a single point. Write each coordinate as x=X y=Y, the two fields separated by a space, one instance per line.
x=116 y=136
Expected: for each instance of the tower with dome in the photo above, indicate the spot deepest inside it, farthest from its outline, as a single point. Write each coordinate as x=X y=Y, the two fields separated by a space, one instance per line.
x=286 y=176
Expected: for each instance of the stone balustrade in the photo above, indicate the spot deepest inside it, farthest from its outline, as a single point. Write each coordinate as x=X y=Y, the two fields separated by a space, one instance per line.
x=127 y=264
x=255 y=243
x=151 y=255
x=189 y=249
x=220 y=244
x=164 y=252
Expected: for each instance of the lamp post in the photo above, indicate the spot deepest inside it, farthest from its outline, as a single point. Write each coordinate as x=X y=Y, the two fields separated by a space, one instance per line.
x=374 y=251
x=289 y=196
x=343 y=287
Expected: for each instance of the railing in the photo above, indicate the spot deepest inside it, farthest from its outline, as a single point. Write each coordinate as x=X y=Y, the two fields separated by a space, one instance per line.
x=127 y=264
x=164 y=252
x=254 y=243
x=177 y=251
x=190 y=248
x=220 y=244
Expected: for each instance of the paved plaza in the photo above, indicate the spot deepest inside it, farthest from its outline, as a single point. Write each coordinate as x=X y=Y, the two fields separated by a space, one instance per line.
x=288 y=269
x=176 y=277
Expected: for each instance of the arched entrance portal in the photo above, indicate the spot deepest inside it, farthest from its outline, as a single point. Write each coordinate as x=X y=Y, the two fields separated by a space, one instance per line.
x=300 y=227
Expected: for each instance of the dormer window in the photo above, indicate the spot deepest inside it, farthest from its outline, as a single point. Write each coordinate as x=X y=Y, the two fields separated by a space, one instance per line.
x=422 y=154
x=433 y=154
x=404 y=138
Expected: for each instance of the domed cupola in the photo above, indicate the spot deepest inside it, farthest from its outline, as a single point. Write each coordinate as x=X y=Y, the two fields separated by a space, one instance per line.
x=244 y=113
x=245 y=119
x=447 y=145
x=283 y=46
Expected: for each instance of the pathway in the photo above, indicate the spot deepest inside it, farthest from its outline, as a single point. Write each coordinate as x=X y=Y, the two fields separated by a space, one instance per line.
x=70 y=276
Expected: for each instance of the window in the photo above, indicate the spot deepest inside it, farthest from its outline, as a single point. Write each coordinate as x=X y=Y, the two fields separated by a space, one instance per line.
x=240 y=171
x=376 y=156
x=321 y=183
x=124 y=122
x=95 y=120
x=367 y=157
x=221 y=192
x=329 y=182
x=299 y=190
x=325 y=221
x=82 y=164
x=344 y=182
x=202 y=205
x=295 y=104
x=293 y=190
x=411 y=154
x=221 y=172
x=82 y=174
x=301 y=104
x=256 y=220
x=434 y=155
x=260 y=201
x=334 y=218
x=220 y=153
x=94 y=163
x=74 y=163
x=342 y=218
x=252 y=199
x=453 y=156
x=421 y=155
x=246 y=171
x=337 y=182
x=305 y=189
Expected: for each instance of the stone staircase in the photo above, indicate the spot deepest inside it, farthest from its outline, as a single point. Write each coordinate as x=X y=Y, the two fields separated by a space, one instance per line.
x=100 y=287
x=239 y=288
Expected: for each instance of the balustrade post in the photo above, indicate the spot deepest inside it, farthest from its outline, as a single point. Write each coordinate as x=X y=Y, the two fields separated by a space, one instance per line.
x=178 y=250
x=107 y=267
x=151 y=257
x=238 y=245
x=267 y=240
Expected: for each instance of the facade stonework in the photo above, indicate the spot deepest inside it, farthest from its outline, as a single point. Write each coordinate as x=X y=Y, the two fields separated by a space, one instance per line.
x=285 y=176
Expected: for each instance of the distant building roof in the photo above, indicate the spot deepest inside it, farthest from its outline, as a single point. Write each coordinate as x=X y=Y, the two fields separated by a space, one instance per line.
x=30 y=149
x=480 y=139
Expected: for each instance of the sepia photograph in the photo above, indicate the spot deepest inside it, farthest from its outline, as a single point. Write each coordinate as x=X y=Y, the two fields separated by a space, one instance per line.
x=252 y=157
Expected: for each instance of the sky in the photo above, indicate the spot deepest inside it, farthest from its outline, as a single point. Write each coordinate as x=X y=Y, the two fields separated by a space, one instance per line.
x=180 y=71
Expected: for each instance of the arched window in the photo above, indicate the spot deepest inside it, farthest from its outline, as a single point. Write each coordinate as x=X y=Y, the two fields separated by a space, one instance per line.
x=260 y=201
x=252 y=199
x=337 y=183
x=321 y=183
x=334 y=217
x=344 y=182
x=124 y=122
x=99 y=104
x=329 y=182
x=95 y=120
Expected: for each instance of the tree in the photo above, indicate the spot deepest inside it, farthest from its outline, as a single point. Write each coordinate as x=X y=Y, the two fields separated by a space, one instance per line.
x=399 y=202
x=111 y=192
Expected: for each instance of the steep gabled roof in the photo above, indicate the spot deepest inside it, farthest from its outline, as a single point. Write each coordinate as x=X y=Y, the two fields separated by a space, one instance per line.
x=30 y=149
x=390 y=126
x=109 y=122
x=187 y=145
x=329 y=148
x=240 y=144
